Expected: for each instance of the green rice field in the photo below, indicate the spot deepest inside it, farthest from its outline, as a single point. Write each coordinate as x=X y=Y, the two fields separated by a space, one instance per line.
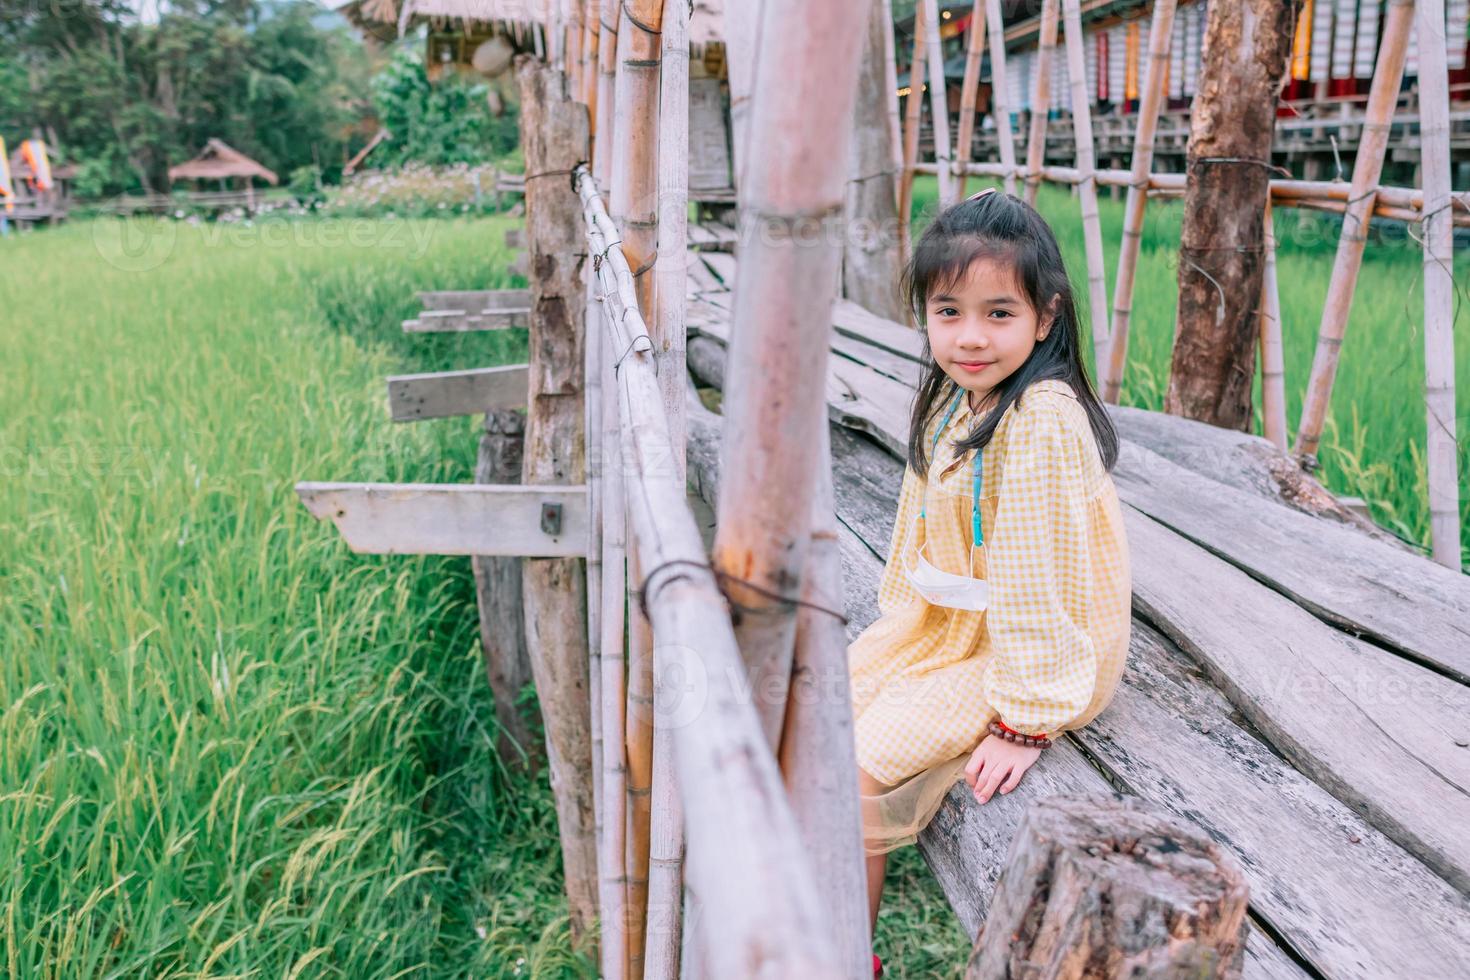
x=231 y=748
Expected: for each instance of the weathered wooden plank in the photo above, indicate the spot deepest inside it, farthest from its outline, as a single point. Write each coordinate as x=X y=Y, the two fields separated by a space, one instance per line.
x=461 y=321
x=444 y=394
x=1401 y=601
x=722 y=265
x=451 y=519
x=478 y=300
x=1321 y=697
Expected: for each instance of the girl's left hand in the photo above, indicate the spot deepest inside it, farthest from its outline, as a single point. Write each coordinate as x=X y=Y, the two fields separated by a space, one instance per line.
x=998 y=763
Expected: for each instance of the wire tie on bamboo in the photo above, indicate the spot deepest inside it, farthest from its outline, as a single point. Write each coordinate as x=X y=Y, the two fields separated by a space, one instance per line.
x=720 y=579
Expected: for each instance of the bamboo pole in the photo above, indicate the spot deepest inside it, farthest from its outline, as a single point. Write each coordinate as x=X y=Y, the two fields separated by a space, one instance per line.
x=742 y=44
x=634 y=209
x=818 y=756
x=572 y=34
x=1041 y=100
x=1273 y=369
x=666 y=834
x=1439 y=286
x=592 y=29
x=1160 y=32
x=913 y=111
x=1367 y=165
x=999 y=98
x=938 y=103
x=791 y=234
x=974 y=50
x=1097 y=289
x=607 y=68
x=895 y=129
x=736 y=810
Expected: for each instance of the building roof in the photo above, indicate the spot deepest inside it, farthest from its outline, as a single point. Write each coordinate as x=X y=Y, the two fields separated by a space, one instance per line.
x=218 y=160
x=385 y=18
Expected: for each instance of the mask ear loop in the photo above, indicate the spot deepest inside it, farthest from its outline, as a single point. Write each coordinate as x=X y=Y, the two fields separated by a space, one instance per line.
x=921 y=521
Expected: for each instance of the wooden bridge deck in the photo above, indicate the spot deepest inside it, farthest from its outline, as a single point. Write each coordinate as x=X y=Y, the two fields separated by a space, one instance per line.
x=1297 y=681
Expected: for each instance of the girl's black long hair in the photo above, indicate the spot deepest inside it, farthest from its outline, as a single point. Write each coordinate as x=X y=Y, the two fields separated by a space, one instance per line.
x=1004 y=228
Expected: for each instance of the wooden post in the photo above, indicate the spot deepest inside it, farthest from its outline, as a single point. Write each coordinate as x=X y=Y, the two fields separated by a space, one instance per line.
x=554 y=137
x=1367 y=167
x=1098 y=886
x=1439 y=286
x=870 y=257
x=1247 y=51
x=805 y=95
x=974 y=50
x=1110 y=370
x=666 y=330
x=999 y=98
x=939 y=104
x=818 y=757
x=498 y=595
x=1041 y=100
x=1273 y=367
x=634 y=209
x=1097 y=290
x=912 y=112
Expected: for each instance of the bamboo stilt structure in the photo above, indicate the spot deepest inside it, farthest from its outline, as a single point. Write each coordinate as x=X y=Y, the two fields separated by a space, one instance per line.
x=804 y=101
x=938 y=103
x=1041 y=100
x=1367 y=165
x=1273 y=368
x=999 y=99
x=1110 y=371
x=974 y=51
x=736 y=809
x=1439 y=286
x=1097 y=289
x=818 y=757
x=666 y=833
x=634 y=209
x=913 y=111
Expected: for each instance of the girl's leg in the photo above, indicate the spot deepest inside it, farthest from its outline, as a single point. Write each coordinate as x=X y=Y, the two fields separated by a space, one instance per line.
x=877 y=864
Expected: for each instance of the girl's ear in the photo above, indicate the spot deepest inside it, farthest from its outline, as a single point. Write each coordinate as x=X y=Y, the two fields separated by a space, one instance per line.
x=1049 y=318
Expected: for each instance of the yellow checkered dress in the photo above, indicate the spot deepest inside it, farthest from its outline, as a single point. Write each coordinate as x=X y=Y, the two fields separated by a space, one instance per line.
x=1047 y=653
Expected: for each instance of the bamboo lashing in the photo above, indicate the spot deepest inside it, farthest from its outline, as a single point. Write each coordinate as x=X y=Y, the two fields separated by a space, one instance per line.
x=1367 y=166
x=1110 y=370
x=1041 y=100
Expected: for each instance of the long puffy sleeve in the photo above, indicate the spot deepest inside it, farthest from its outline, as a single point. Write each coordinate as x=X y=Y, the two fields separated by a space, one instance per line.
x=1044 y=667
x=894 y=590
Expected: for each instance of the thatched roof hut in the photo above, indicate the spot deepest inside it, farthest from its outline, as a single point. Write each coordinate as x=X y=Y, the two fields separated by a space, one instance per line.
x=220 y=161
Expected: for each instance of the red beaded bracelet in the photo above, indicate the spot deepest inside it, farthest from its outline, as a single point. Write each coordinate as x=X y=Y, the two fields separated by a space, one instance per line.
x=1001 y=729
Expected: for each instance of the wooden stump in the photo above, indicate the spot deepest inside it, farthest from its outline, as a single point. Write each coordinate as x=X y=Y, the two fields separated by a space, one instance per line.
x=554 y=140
x=1110 y=887
x=498 y=594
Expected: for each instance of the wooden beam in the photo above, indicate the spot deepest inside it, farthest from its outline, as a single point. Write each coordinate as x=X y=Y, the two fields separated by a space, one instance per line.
x=477 y=300
x=445 y=394
x=463 y=321
x=453 y=519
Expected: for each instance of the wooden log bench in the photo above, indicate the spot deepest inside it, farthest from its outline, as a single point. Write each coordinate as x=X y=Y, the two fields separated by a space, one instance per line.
x=1295 y=685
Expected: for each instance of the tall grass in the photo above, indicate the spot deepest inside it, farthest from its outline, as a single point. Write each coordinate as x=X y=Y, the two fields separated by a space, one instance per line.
x=229 y=747
x=1373 y=441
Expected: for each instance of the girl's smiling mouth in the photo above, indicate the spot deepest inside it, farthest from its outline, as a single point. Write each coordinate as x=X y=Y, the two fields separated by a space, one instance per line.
x=973 y=366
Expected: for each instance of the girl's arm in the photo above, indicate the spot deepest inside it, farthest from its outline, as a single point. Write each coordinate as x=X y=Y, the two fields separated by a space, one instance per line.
x=1044 y=666
x=894 y=590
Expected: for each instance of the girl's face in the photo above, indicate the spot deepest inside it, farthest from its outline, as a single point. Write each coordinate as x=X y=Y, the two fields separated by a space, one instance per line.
x=982 y=329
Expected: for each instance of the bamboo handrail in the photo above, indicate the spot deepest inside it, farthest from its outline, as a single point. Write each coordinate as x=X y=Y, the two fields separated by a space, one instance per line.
x=1041 y=100
x=1110 y=370
x=736 y=810
x=1367 y=166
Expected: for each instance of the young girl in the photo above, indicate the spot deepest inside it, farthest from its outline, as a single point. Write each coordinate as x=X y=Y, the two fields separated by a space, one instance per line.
x=1005 y=602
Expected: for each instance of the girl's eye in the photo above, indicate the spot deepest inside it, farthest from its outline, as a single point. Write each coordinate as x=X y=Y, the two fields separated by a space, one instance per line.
x=949 y=311
x=1004 y=313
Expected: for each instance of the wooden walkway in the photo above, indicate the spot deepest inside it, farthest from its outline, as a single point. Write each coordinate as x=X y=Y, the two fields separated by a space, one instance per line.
x=1298 y=682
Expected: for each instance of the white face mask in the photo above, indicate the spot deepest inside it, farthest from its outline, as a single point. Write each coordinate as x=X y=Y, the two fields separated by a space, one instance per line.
x=941 y=588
